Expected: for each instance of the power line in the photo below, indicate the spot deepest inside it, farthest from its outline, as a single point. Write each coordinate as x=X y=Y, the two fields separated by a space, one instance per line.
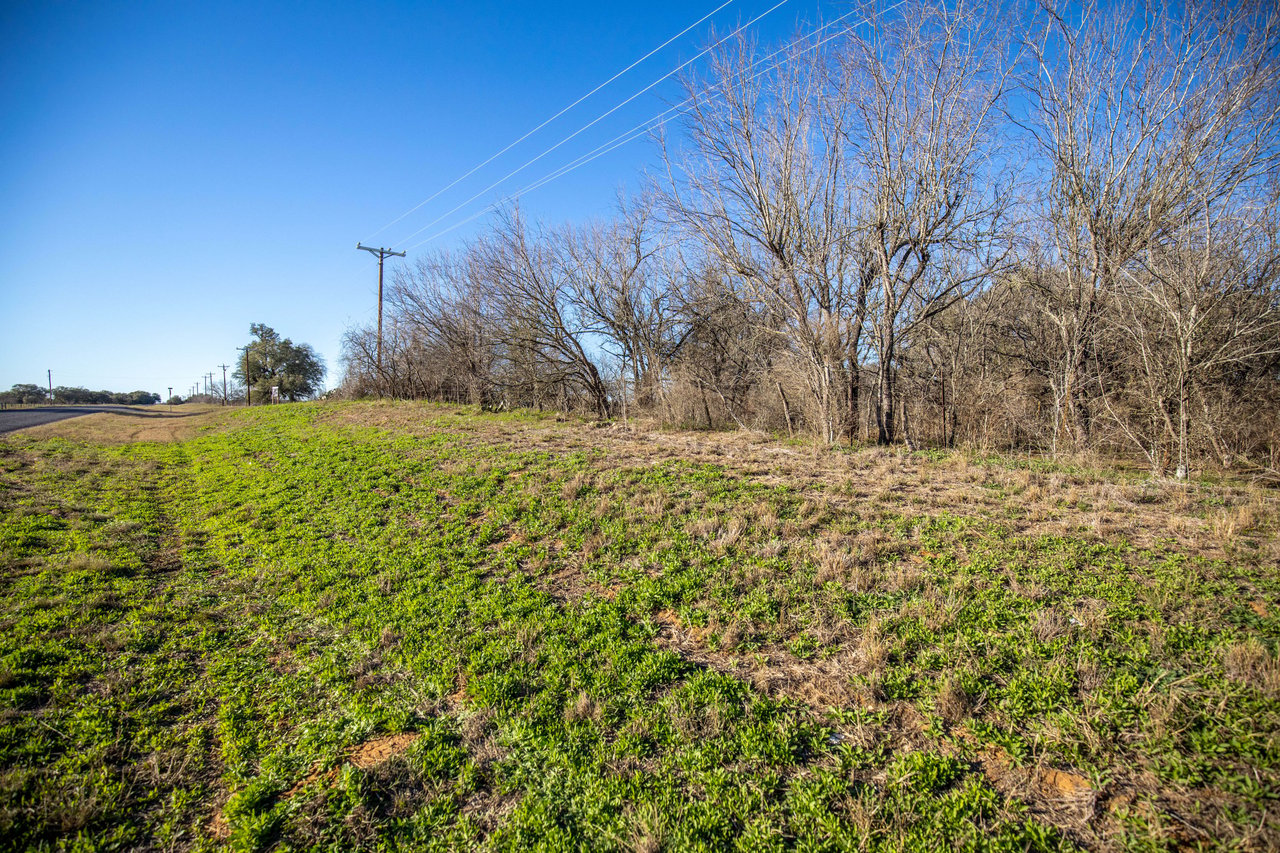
x=593 y=122
x=641 y=129
x=480 y=166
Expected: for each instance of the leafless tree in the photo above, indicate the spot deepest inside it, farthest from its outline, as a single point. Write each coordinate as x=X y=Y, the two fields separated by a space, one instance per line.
x=541 y=323
x=924 y=90
x=763 y=190
x=1145 y=117
x=625 y=292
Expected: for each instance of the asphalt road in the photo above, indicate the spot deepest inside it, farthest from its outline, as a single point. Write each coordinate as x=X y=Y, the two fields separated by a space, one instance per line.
x=11 y=419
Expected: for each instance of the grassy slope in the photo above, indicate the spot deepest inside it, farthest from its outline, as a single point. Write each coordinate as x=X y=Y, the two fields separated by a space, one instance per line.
x=407 y=627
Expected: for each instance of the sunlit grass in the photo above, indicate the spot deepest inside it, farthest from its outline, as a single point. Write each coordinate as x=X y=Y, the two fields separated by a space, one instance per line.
x=404 y=626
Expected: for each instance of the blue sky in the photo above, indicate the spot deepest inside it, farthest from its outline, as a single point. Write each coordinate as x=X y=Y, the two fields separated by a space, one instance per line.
x=172 y=172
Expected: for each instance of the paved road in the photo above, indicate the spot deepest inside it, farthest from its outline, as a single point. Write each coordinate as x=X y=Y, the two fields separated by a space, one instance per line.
x=11 y=419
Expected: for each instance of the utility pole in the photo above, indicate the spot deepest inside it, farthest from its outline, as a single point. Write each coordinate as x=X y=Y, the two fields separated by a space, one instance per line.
x=382 y=254
x=248 y=382
x=379 y=338
x=224 y=383
x=170 y=399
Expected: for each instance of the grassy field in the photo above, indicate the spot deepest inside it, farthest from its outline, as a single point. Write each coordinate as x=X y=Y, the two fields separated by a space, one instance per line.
x=398 y=626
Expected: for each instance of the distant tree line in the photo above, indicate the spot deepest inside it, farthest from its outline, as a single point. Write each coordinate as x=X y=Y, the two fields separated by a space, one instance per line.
x=1051 y=226
x=27 y=393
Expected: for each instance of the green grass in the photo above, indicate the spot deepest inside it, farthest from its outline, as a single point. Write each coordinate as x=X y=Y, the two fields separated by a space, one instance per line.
x=199 y=638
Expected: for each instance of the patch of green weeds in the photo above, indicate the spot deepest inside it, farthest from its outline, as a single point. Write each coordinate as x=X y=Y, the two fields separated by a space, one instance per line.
x=304 y=632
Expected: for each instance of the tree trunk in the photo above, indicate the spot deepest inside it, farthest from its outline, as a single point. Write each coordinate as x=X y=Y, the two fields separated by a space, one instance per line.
x=786 y=409
x=885 y=404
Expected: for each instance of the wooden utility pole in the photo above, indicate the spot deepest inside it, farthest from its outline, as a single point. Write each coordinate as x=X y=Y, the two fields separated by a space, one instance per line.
x=248 y=384
x=382 y=254
x=224 y=383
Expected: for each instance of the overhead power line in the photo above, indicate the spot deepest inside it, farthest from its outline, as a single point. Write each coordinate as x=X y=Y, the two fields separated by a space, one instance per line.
x=642 y=129
x=592 y=123
x=480 y=166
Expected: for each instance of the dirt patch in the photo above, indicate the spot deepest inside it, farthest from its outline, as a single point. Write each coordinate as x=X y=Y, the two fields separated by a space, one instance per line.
x=367 y=755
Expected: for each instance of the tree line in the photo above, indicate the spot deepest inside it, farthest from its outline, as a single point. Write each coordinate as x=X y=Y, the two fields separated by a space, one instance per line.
x=1049 y=226
x=27 y=393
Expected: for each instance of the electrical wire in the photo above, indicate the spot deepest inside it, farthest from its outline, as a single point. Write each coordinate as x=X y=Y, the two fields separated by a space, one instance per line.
x=480 y=166
x=590 y=124
x=640 y=130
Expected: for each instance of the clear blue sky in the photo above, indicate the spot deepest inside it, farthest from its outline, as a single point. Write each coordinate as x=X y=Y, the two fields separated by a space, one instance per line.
x=172 y=172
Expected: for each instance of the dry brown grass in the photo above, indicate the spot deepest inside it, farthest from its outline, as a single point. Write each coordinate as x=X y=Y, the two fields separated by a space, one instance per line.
x=1099 y=504
x=140 y=423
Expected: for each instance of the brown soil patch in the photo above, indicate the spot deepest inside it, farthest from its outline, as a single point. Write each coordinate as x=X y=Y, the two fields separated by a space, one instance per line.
x=1062 y=783
x=367 y=755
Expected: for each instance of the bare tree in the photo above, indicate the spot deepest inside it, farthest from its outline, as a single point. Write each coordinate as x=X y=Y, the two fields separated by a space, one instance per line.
x=924 y=90
x=763 y=191
x=449 y=306
x=623 y=292
x=1145 y=118
x=539 y=317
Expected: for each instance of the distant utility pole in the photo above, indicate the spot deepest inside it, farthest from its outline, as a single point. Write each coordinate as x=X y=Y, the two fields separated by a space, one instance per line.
x=224 y=383
x=382 y=254
x=248 y=384
x=379 y=327
x=170 y=400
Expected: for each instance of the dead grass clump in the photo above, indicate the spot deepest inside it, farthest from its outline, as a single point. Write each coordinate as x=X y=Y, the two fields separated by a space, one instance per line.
x=656 y=503
x=834 y=562
x=91 y=563
x=942 y=610
x=906 y=577
x=732 y=636
x=954 y=702
x=728 y=536
x=1089 y=676
x=766 y=516
x=1049 y=625
x=573 y=489
x=701 y=723
x=1250 y=663
x=582 y=708
x=873 y=651
x=772 y=548
x=869 y=545
x=1090 y=616
x=389 y=638
x=1235 y=520
x=703 y=528
x=592 y=544
x=648 y=830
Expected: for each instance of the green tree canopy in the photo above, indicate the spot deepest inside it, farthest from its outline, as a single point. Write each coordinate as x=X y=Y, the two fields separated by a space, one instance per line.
x=272 y=360
x=23 y=393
